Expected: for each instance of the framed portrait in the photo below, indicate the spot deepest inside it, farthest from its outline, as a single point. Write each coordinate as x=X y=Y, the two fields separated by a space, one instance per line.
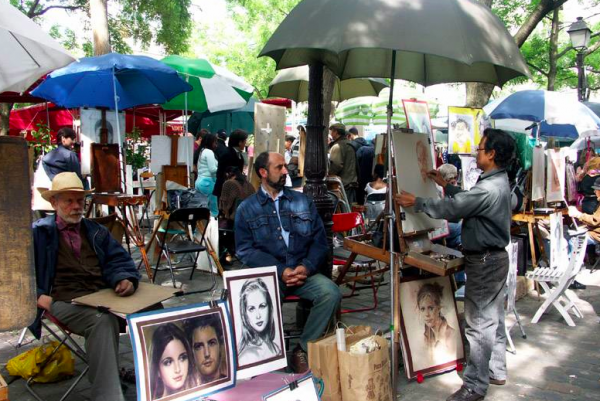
x=538 y=171
x=302 y=389
x=470 y=172
x=431 y=338
x=464 y=126
x=555 y=175
x=91 y=124
x=417 y=116
x=412 y=158
x=183 y=353
x=256 y=320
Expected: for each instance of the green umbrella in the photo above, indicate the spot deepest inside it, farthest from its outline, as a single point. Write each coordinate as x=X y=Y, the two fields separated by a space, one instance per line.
x=214 y=88
x=292 y=83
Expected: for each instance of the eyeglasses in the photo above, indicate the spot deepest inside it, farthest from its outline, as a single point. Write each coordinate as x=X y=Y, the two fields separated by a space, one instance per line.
x=480 y=149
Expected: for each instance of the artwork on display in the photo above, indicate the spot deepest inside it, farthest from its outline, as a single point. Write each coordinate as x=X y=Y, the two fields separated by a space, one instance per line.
x=470 y=172
x=182 y=353
x=412 y=158
x=556 y=239
x=91 y=123
x=555 y=175
x=417 y=116
x=256 y=320
x=538 y=172
x=303 y=389
x=511 y=282
x=464 y=125
x=430 y=333
x=160 y=154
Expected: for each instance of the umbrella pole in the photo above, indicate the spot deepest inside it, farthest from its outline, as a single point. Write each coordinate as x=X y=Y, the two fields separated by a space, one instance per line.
x=123 y=169
x=390 y=218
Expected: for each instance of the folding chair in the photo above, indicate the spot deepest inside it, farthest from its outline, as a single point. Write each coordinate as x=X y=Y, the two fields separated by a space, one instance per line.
x=561 y=277
x=64 y=337
x=186 y=219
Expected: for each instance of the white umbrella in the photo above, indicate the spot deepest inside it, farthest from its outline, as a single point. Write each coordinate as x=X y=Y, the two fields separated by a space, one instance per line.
x=28 y=52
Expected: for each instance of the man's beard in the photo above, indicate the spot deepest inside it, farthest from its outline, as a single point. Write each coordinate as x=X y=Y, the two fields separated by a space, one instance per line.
x=73 y=218
x=278 y=185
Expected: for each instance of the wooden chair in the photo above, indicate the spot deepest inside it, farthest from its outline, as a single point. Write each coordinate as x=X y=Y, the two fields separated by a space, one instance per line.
x=560 y=277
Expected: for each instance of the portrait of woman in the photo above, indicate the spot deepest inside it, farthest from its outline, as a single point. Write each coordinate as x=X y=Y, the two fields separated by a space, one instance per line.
x=438 y=333
x=172 y=364
x=258 y=324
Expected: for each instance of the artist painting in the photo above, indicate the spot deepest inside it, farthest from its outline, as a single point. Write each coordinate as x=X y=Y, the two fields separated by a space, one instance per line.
x=256 y=312
x=430 y=331
x=182 y=353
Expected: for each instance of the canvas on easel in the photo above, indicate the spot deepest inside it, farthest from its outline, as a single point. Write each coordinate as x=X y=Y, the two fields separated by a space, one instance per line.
x=412 y=159
x=538 y=171
x=91 y=130
x=106 y=171
x=555 y=175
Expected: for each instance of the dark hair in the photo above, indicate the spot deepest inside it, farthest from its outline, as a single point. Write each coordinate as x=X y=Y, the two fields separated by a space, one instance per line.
x=262 y=161
x=208 y=141
x=160 y=339
x=202 y=133
x=301 y=128
x=379 y=171
x=249 y=335
x=210 y=320
x=237 y=136
x=235 y=171
x=502 y=143
x=460 y=120
x=222 y=134
x=290 y=138
x=353 y=131
x=339 y=128
x=65 y=132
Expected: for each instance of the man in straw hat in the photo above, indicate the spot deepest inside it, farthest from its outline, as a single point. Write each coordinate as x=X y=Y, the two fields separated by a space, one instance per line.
x=75 y=257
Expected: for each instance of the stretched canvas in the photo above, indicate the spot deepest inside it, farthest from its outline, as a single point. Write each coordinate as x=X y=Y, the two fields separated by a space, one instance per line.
x=430 y=333
x=182 y=353
x=538 y=171
x=555 y=184
x=91 y=123
x=412 y=158
x=464 y=129
x=470 y=172
x=556 y=239
x=257 y=323
x=417 y=116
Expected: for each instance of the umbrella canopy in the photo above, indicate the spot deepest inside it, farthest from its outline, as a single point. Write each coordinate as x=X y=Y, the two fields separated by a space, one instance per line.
x=242 y=118
x=28 y=51
x=368 y=110
x=214 y=88
x=292 y=83
x=560 y=115
x=435 y=41
x=595 y=107
x=112 y=79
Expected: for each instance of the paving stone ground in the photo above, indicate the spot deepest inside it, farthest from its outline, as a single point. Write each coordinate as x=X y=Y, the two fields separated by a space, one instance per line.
x=554 y=363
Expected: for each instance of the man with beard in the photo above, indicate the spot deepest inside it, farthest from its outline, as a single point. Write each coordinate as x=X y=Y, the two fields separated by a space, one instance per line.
x=75 y=257
x=205 y=334
x=280 y=227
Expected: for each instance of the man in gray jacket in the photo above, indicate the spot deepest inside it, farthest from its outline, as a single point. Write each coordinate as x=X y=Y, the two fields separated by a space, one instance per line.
x=485 y=234
x=342 y=161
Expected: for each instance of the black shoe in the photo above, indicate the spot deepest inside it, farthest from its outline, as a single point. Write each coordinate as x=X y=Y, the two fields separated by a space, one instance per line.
x=576 y=285
x=464 y=394
x=497 y=382
x=299 y=362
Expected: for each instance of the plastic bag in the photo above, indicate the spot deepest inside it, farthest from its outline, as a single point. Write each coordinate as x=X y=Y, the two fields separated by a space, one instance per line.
x=61 y=365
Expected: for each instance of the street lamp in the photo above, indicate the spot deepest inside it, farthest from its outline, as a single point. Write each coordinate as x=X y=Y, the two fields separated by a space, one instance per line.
x=580 y=34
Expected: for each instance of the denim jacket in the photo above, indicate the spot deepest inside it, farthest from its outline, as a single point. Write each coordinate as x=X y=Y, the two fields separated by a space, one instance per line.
x=258 y=236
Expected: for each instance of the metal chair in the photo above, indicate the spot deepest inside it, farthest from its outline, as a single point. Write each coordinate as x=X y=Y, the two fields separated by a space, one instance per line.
x=186 y=219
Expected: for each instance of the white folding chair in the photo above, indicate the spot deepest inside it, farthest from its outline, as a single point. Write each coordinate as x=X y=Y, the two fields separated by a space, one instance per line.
x=560 y=277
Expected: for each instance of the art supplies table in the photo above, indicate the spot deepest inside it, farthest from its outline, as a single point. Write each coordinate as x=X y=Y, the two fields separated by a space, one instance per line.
x=125 y=203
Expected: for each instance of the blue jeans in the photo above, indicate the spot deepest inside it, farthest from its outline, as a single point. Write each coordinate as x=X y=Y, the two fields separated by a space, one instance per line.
x=206 y=185
x=484 y=316
x=325 y=296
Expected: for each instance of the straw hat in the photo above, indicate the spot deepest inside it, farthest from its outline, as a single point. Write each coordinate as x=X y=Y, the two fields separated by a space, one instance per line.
x=64 y=182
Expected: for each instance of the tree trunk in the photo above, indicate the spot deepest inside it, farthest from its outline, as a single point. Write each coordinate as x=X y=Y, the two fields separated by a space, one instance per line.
x=5 y=109
x=99 y=18
x=552 y=53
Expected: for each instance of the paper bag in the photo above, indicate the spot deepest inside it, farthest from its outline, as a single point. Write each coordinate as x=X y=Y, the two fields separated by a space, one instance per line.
x=323 y=360
x=370 y=382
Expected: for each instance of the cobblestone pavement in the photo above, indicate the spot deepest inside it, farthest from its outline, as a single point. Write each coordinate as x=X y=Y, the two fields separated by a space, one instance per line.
x=555 y=362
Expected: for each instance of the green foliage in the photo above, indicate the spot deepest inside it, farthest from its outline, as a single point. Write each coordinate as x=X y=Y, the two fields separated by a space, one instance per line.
x=136 y=149
x=42 y=141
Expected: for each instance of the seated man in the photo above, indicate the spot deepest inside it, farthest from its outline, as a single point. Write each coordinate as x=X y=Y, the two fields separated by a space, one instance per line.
x=280 y=227
x=205 y=334
x=75 y=257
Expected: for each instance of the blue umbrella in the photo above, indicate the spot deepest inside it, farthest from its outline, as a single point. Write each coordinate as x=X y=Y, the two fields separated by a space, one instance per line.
x=556 y=114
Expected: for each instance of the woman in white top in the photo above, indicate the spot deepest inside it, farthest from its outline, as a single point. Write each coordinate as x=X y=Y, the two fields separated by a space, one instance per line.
x=377 y=186
x=207 y=171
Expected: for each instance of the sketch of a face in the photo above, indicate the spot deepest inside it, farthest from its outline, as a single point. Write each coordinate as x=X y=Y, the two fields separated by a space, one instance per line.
x=430 y=311
x=556 y=167
x=461 y=132
x=207 y=352
x=174 y=366
x=423 y=160
x=257 y=311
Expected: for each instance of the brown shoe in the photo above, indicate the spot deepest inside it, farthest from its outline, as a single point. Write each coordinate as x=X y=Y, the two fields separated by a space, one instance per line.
x=497 y=382
x=465 y=394
x=299 y=362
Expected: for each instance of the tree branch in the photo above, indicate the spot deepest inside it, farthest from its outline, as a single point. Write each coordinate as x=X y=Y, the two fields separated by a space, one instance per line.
x=44 y=10
x=532 y=20
x=592 y=48
x=31 y=13
x=538 y=69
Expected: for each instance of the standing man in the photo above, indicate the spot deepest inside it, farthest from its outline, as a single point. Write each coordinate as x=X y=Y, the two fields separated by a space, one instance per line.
x=486 y=214
x=232 y=156
x=365 y=155
x=281 y=227
x=63 y=159
x=75 y=257
x=342 y=161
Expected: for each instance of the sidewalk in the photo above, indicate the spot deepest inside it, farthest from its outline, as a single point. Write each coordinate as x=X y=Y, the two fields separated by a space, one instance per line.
x=556 y=362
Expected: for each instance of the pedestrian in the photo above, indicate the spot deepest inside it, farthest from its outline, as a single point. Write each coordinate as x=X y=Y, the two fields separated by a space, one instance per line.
x=342 y=161
x=365 y=155
x=207 y=172
x=486 y=214
x=231 y=157
x=63 y=159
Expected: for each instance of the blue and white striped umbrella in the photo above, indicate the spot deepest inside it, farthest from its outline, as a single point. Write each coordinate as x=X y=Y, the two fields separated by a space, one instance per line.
x=560 y=114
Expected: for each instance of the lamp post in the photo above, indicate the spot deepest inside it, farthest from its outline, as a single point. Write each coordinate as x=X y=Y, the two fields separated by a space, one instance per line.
x=580 y=34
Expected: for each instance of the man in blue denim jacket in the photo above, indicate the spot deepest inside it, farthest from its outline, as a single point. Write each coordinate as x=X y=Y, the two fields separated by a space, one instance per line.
x=280 y=227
